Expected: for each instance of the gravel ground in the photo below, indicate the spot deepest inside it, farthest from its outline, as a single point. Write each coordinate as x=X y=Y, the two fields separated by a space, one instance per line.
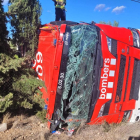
x=30 y=128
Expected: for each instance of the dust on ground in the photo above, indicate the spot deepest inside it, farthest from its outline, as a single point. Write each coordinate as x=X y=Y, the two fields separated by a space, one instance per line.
x=31 y=128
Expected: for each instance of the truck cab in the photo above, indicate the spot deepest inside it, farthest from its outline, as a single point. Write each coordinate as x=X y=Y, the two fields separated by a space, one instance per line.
x=91 y=72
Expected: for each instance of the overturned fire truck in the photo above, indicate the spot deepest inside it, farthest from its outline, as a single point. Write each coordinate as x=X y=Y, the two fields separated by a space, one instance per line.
x=91 y=71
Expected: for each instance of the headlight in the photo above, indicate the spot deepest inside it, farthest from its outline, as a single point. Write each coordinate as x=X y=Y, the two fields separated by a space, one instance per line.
x=112 y=46
x=136 y=39
x=101 y=111
x=109 y=43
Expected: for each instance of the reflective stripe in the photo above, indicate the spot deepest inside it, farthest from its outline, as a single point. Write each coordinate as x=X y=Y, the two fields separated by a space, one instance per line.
x=60 y=6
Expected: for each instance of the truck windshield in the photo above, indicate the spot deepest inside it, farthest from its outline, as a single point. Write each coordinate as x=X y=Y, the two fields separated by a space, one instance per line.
x=79 y=77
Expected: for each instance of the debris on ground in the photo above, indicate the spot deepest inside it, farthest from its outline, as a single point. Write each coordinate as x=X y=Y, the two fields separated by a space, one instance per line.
x=31 y=128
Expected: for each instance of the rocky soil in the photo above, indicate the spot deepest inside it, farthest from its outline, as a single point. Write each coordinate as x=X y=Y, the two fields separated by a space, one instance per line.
x=31 y=128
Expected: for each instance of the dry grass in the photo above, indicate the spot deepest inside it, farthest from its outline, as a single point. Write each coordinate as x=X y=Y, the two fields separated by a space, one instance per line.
x=6 y=117
x=31 y=128
x=121 y=131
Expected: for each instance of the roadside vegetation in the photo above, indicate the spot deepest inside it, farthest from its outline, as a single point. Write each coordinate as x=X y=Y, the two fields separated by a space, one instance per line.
x=19 y=91
x=115 y=23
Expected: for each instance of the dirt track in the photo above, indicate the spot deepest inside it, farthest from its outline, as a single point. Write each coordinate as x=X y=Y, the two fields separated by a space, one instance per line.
x=23 y=128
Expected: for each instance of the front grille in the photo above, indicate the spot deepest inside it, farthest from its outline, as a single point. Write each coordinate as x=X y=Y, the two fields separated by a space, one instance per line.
x=121 y=78
x=135 y=81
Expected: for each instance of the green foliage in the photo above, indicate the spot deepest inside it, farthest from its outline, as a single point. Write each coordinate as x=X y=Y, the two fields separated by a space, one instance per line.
x=12 y=46
x=27 y=85
x=3 y=29
x=42 y=115
x=19 y=86
x=18 y=77
x=8 y=63
x=28 y=93
x=115 y=23
x=6 y=102
x=25 y=20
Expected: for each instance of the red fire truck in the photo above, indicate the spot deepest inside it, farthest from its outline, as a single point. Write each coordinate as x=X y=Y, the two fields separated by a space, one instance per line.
x=91 y=71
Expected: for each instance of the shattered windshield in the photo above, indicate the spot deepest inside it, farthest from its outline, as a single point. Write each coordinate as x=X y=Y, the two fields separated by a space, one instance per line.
x=79 y=78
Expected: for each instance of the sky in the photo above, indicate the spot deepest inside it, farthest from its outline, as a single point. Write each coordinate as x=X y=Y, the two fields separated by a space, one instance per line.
x=126 y=12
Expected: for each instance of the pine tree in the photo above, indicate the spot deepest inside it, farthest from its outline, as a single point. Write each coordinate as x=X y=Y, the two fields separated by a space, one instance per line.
x=5 y=99
x=25 y=20
x=3 y=29
x=18 y=82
